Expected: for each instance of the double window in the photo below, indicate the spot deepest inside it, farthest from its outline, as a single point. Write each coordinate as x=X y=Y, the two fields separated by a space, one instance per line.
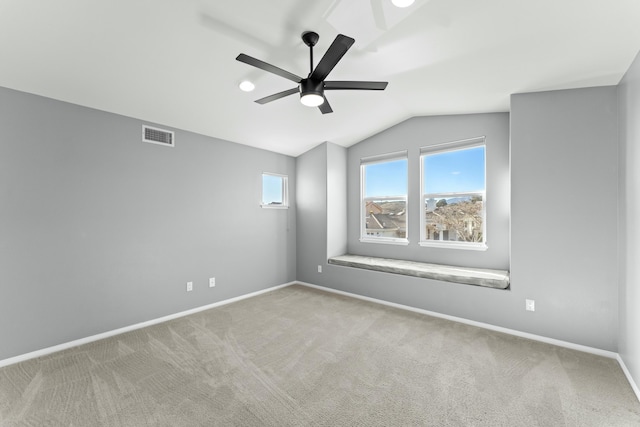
x=383 y=209
x=452 y=196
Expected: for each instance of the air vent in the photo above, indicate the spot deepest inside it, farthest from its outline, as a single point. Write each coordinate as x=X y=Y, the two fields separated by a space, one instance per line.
x=157 y=136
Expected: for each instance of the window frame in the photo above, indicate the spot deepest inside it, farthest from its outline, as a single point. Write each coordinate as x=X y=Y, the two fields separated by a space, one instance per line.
x=444 y=148
x=285 y=191
x=383 y=158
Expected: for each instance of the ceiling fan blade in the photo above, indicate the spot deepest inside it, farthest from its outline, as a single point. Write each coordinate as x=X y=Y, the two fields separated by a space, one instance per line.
x=277 y=95
x=336 y=51
x=325 y=107
x=268 y=67
x=346 y=85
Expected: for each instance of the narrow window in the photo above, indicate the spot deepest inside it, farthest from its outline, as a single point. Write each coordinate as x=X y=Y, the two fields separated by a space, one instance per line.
x=383 y=207
x=453 y=195
x=275 y=191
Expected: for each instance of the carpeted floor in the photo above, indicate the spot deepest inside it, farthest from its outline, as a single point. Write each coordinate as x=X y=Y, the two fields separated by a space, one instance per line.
x=298 y=356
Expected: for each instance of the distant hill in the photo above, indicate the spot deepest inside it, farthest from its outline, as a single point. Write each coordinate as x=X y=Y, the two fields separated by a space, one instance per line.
x=431 y=203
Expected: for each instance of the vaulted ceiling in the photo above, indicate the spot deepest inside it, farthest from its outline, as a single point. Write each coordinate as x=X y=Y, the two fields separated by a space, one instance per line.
x=172 y=62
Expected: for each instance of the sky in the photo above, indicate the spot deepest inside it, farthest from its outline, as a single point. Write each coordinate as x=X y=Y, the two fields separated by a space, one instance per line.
x=386 y=179
x=454 y=171
x=271 y=189
x=445 y=172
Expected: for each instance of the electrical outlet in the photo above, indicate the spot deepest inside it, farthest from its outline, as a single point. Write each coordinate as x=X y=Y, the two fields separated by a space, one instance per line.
x=530 y=305
x=212 y=282
x=319 y=269
x=189 y=286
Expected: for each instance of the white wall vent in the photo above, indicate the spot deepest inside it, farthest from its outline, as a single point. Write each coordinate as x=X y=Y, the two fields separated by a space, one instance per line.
x=158 y=136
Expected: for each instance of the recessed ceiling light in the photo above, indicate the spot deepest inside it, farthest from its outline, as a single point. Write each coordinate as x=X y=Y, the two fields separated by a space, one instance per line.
x=247 y=86
x=402 y=3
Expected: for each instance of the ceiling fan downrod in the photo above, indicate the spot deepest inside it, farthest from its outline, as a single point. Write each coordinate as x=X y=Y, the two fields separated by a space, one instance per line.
x=310 y=38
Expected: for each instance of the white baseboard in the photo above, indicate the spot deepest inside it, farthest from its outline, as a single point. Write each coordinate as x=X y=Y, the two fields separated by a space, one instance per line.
x=559 y=343
x=75 y=343
x=632 y=383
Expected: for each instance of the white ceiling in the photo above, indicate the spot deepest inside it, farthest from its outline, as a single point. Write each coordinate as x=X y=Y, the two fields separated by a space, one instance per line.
x=173 y=61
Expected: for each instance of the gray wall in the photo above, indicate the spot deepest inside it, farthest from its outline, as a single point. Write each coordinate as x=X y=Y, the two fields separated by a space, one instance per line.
x=629 y=211
x=311 y=211
x=321 y=209
x=564 y=213
x=563 y=218
x=99 y=230
x=336 y=200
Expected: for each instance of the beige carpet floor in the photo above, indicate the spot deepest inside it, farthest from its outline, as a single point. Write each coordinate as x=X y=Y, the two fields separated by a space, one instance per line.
x=298 y=356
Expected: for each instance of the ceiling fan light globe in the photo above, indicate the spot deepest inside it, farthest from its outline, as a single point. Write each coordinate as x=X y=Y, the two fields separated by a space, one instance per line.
x=402 y=3
x=311 y=99
x=246 y=86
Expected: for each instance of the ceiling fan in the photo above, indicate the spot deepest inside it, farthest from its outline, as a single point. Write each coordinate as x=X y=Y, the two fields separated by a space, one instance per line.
x=312 y=88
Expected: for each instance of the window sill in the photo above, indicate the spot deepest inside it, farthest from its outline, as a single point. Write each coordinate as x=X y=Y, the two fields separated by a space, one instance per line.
x=274 y=207
x=387 y=241
x=454 y=245
x=498 y=279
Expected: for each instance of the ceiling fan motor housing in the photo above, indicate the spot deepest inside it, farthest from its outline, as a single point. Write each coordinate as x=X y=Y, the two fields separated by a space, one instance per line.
x=308 y=86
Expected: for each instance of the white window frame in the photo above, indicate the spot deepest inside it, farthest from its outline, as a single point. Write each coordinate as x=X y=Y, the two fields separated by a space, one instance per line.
x=365 y=161
x=285 y=191
x=443 y=148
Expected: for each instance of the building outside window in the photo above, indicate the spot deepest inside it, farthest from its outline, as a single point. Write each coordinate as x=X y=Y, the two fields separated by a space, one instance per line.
x=454 y=195
x=383 y=207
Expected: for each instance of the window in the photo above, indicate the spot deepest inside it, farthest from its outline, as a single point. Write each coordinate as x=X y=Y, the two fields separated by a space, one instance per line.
x=275 y=191
x=383 y=208
x=453 y=195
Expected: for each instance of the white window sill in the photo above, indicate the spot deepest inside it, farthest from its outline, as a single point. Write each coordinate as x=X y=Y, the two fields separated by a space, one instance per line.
x=455 y=245
x=384 y=241
x=497 y=279
x=274 y=207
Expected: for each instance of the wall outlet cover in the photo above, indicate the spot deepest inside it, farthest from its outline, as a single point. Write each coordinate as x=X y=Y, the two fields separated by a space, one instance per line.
x=530 y=305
